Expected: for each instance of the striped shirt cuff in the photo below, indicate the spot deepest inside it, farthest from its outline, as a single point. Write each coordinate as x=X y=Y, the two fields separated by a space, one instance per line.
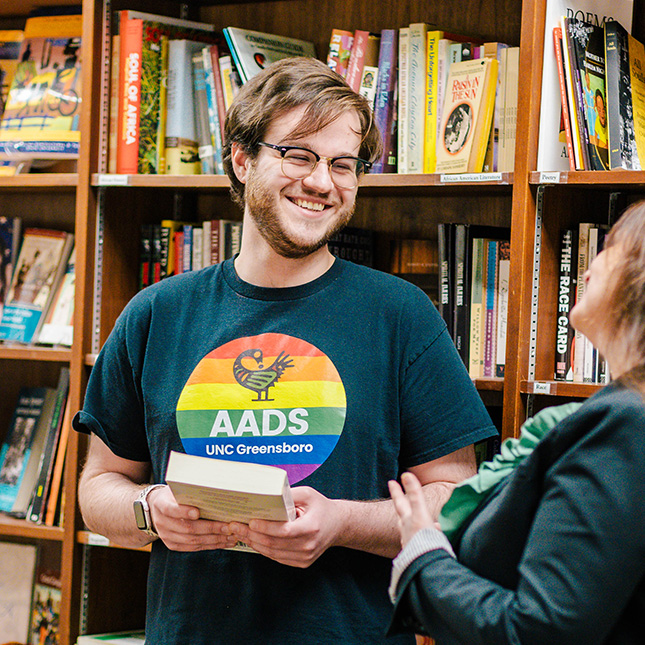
x=423 y=541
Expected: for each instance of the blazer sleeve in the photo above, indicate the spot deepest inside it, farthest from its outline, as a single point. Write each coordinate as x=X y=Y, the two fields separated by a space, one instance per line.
x=582 y=562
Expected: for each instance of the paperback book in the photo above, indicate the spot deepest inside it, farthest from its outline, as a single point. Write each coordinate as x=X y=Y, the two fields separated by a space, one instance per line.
x=42 y=114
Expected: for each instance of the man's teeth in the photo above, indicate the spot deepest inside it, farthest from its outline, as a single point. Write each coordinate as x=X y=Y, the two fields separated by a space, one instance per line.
x=312 y=206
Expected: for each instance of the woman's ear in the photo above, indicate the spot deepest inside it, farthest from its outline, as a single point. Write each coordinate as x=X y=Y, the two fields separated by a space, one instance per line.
x=240 y=161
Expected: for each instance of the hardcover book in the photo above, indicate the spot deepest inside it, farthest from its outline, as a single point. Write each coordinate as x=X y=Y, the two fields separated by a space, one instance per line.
x=40 y=267
x=625 y=61
x=42 y=114
x=252 y=51
x=21 y=451
x=467 y=116
x=140 y=75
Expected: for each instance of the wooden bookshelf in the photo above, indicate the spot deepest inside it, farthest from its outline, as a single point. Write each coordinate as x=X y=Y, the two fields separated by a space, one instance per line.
x=112 y=208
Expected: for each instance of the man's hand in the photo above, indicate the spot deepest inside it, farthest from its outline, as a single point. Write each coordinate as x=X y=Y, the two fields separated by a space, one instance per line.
x=411 y=506
x=180 y=528
x=301 y=542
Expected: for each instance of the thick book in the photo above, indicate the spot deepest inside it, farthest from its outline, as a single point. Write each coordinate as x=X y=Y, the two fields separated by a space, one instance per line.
x=40 y=266
x=625 y=85
x=182 y=146
x=385 y=111
x=230 y=491
x=42 y=114
x=467 y=116
x=21 y=451
x=341 y=44
x=507 y=143
x=552 y=151
x=58 y=327
x=252 y=51
x=36 y=512
x=567 y=277
x=140 y=83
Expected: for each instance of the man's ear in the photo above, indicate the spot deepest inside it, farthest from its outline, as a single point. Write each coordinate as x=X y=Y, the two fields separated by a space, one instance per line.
x=240 y=161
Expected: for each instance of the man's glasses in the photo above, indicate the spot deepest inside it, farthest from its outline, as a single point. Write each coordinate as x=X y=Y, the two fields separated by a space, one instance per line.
x=299 y=163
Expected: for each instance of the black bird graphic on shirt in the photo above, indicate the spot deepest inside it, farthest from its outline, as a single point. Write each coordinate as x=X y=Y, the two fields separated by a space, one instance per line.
x=249 y=371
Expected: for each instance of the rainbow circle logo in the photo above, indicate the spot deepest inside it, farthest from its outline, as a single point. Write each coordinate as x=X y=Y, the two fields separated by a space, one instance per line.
x=269 y=399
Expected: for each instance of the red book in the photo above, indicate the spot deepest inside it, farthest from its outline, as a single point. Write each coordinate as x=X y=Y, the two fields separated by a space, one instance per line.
x=565 y=117
x=127 y=151
x=357 y=59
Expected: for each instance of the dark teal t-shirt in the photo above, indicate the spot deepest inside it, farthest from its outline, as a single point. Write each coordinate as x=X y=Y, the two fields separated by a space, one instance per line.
x=345 y=382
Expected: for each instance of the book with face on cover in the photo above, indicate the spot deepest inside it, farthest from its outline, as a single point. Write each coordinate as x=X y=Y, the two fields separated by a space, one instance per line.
x=252 y=51
x=467 y=116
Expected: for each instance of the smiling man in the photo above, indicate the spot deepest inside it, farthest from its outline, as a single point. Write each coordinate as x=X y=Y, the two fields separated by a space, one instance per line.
x=366 y=383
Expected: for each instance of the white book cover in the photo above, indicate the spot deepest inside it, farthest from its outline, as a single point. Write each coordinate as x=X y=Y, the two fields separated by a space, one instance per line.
x=252 y=51
x=552 y=152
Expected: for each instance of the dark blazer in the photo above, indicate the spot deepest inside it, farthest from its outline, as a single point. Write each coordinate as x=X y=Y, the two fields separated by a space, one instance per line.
x=556 y=554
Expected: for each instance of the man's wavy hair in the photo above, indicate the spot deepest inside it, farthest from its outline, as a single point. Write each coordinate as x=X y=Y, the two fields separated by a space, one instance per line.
x=281 y=87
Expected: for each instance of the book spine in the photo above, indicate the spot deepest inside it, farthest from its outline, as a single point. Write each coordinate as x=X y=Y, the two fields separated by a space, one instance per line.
x=417 y=95
x=187 y=253
x=589 y=373
x=403 y=91
x=461 y=314
x=37 y=508
x=476 y=309
x=446 y=270
x=202 y=120
x=504 y=271
x=145 y=257
x=131 y=31
x=432 y=91
x=219 y=90
x=113 y=122
x=568 y=75
x=340 y=48
x=215 y=243
x=163 y=106
x=385 y=107
x=557 y=44
x=579 y=343
x=357 y=59
x=566 y=300
x=490 y=332
x=213 y=111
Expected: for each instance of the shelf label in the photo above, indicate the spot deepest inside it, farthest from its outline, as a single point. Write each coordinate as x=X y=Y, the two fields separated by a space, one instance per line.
x=541 y=388
x=549 y=177
x=470 y=177
x=94 y=539
x=113 y=180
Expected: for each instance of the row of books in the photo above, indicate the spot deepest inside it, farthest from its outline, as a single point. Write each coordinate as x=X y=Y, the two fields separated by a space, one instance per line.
x=172 y=81
x=474 y=269
x=174 y=247
x=40 y=71
x=37 y=278
x=438 y=109
x=576 y=359
x=32 y=454
x=30 y=596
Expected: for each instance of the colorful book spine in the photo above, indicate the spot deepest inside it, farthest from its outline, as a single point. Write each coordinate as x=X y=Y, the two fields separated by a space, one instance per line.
x=385 y=106
x=340 y=48
x=490 y=319
x=213 y=110
x=357 y=59
x=431 y=100
x=403 y=92
x=417 y=96
x=504 y=271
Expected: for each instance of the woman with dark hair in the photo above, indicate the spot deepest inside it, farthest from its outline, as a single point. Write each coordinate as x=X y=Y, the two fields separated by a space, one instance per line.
x=554 y=552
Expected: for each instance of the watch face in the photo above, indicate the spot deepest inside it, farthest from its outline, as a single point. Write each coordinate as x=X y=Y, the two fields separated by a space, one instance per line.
x=140 y=516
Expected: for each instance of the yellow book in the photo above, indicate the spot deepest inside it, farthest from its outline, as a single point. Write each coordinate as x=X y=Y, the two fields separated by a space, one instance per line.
x=467 y=116
x=432 y=90
x=10 y=40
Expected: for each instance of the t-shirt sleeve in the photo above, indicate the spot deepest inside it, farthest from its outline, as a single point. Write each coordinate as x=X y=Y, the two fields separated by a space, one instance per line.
x=113 y=407
x=441 y=409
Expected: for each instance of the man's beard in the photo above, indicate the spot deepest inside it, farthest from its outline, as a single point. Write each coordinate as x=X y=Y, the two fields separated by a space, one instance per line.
x=261 y=203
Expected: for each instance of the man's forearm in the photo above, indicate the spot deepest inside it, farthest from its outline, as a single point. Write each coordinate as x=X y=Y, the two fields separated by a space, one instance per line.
x=373 y=526
x=106 y=505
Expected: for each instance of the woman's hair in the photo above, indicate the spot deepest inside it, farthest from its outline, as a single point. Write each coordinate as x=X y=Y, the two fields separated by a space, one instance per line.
x=281 y=87
x=626 y=297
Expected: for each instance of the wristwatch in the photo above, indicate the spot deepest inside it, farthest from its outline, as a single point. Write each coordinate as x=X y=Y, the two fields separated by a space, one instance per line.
x=142 y=511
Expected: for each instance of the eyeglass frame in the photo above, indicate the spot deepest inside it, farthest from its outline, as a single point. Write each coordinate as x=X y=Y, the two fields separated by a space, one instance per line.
x=330 y=160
